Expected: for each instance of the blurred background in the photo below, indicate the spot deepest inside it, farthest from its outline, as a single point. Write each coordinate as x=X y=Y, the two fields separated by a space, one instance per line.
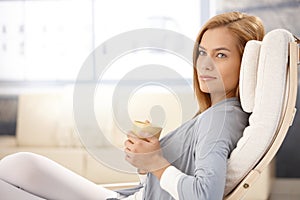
x=44 y=43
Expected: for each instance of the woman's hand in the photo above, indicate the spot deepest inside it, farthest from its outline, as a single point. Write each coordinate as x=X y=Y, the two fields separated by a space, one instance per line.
x=145 y=154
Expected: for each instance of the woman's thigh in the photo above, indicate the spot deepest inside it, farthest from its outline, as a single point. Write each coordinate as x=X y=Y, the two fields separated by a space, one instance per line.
x=46 y=178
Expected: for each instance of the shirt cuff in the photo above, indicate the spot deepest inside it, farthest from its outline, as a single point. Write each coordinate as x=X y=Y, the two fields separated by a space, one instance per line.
x=169 y=181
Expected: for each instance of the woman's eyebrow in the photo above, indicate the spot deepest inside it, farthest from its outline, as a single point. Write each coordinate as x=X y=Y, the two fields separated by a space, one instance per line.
x=216 y=49
x=221 y=48
x=201 y=47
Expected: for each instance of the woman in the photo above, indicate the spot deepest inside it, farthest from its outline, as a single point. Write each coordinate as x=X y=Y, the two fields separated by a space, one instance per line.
x=190 y=162
x=205 y=142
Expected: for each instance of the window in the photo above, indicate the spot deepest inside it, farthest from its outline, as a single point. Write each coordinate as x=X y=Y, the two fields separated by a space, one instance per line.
x=49 y=40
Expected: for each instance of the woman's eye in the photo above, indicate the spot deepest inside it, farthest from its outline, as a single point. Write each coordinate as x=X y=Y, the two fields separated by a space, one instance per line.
x=202 y=53
x=221 y=55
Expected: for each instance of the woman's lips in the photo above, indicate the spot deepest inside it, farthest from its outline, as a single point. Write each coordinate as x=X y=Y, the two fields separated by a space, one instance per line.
x=206 y=78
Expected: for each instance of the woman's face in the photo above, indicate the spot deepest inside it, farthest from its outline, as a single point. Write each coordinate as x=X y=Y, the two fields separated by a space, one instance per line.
x=218 y=63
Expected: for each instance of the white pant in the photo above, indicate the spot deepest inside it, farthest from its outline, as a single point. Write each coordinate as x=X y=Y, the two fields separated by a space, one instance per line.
x=45 y=178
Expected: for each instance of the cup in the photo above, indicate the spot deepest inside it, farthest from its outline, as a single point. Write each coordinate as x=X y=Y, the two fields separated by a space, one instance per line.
x=145 y=127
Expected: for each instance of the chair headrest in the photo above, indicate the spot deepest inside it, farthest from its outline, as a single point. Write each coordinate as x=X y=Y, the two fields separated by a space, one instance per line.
x=250 y=63
x=248 y=74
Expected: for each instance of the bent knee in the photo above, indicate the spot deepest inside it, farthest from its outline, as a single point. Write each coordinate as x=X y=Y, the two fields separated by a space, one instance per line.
x=19 y=166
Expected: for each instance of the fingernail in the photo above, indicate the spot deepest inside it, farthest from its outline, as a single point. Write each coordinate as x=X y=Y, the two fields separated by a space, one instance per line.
x=145 y=134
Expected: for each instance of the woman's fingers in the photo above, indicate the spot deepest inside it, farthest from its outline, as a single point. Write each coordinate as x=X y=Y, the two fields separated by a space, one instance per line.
x=132 y=137
x=128 y=153
x=129 y=145
x=131 y=134
x=133 y=144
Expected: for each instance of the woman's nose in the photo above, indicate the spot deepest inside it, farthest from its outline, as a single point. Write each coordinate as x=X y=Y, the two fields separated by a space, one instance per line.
x=205 y=63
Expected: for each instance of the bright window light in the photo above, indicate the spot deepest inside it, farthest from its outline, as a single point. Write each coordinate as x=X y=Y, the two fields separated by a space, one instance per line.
x=50 y=40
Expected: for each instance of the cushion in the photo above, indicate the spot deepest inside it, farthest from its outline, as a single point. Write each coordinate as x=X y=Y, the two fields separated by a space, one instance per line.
x=267 y=109
x=38 y=119
x=45 y=119
x=248 y=74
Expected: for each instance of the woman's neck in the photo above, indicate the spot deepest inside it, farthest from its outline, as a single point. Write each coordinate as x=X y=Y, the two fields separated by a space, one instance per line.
x=217 y=97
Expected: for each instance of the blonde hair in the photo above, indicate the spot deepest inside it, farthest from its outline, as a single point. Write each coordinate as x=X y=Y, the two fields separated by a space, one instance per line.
x=243 y=27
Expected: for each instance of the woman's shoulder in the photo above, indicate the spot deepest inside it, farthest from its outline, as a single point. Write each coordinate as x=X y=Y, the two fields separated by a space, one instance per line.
x=227 y=114
x=227 y=108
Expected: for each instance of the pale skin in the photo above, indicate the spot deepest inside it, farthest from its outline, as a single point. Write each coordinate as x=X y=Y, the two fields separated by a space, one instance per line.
x=218 y=64
x=218 y=76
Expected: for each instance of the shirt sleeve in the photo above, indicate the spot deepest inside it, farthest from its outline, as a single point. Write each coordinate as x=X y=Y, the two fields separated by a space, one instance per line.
x=169 y=181
x=208 y=181
x=218 y=137
x=136 y=196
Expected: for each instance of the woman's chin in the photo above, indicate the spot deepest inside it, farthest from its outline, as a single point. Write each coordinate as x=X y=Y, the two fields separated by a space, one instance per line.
x=204 y=90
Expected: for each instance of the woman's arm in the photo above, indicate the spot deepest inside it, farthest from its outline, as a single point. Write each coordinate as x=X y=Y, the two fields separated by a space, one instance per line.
x=208 y=181
x=216 y=136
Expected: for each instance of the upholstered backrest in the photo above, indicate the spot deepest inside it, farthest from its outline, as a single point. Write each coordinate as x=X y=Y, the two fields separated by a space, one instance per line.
x=263 y=93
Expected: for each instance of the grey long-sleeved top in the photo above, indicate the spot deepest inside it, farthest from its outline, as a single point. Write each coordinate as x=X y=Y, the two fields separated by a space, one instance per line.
x=199 y=148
